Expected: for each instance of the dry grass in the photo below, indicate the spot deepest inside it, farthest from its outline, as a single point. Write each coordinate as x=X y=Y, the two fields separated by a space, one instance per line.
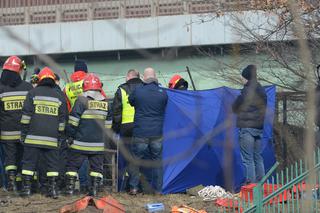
x=39 y=203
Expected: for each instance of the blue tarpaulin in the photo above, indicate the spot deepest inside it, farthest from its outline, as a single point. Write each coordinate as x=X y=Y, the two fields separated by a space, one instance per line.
x=199 y=147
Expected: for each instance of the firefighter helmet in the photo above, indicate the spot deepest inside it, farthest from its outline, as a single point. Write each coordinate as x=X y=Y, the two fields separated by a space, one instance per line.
x=92 y=82
x=173 y=81
x=14 y=63
x=46 y=73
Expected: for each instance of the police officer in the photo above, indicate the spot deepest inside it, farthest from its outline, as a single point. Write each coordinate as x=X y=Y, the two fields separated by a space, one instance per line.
x=43 y=122
x=74 y=88
x=13 y=91
x=86 y=132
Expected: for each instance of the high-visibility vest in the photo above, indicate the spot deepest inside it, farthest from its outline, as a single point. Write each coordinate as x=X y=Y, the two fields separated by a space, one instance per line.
x=127 y=109
x=73 y=90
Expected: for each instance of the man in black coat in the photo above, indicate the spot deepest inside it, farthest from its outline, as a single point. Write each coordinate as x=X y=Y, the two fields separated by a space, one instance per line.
x=123 y=114
x=250 y=107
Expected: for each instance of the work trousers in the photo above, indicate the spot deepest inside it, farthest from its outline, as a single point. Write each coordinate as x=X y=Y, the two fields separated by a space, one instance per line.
x=42 y=164
x=75 y=160
x=31 y=155
x=147 y=149
x=13 y=155
x=2 y=170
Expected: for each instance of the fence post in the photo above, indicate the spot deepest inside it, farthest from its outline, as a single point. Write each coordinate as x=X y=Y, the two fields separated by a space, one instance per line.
x=284 y=129
x=258 y=190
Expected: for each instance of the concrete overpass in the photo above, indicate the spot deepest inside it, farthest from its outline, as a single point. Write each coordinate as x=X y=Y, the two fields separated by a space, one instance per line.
x=126 y=29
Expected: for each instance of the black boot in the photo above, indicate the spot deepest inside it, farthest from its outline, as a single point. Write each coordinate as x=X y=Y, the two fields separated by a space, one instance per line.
x=95 y=184
x=70 y=185
x=12 y=185
x=26 y=185
x=52 y=187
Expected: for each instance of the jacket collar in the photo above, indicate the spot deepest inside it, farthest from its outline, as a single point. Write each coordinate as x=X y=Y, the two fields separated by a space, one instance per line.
x=96 y=95
x=151 y=80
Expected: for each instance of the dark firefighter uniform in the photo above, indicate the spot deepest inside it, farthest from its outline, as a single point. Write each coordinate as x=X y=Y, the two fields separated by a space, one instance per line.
x=13 y=91
x=43 y=122
x=86 y=129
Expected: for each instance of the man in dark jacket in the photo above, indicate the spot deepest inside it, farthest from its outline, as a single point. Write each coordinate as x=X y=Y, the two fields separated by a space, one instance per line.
x=149 y=102
x=44 y=107
x=123 y=113
x=13 y=91
x=250 y=107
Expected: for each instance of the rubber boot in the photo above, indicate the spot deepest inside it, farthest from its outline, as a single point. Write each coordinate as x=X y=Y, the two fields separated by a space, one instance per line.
x=70 y=185
x=26 y=185
x=52 y=187
x=12 y=185
x=95 y=184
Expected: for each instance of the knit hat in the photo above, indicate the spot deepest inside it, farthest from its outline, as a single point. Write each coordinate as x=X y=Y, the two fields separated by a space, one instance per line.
x=36 y=70
x=80 y=65
x=250 y=72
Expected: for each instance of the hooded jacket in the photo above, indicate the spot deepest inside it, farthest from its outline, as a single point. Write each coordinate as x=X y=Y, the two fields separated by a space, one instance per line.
x=13 y=92
x=250 y=106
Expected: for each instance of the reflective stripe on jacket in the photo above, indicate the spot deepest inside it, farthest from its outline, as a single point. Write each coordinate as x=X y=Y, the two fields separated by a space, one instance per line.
x=43 y=118
x=73 y=90
x=11 y=104
x=87 y=124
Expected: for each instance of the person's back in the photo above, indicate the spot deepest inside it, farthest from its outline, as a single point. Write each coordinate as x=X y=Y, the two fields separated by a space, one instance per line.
x=150 y=103
x=250 y=107
x=13 y=91
x=74 y=88
x=123 y=112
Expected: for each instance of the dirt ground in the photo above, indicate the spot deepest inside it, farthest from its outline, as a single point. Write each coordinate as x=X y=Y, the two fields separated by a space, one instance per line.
x=39 y=203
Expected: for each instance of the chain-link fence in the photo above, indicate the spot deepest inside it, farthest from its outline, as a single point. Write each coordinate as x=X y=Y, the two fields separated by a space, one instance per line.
x=290 y=122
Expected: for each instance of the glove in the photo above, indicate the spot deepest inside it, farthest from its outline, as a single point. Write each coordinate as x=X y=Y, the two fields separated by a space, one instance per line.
x=70 y=141
x=22 y=138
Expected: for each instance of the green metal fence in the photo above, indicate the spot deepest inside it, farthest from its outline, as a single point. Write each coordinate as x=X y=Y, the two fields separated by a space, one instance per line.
x=293 y=189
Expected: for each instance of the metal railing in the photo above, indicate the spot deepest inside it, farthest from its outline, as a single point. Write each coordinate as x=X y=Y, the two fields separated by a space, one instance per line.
x=293 y=189
x=19 y=12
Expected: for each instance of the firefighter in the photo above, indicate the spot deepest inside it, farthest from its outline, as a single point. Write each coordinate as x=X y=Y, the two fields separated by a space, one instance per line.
x=86 y=132
x=13 y=91
x=43 y=123
x=177 y=82
x=74 y=88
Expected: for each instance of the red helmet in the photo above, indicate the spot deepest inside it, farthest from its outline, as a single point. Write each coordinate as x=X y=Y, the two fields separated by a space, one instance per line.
x=173 y=81
x=92 y=82
x=46 y=73
x=13 y=63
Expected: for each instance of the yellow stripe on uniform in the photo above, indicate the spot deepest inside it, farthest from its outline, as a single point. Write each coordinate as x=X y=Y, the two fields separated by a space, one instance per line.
x=101 y=117
x=10 y=137
x=87 y=148
x=40 y=142
x=10 y=167
x=52 y=174
x=96 y=174
x=74 y=174
x=46 y=103
x=27 y=172
x=13 y=98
